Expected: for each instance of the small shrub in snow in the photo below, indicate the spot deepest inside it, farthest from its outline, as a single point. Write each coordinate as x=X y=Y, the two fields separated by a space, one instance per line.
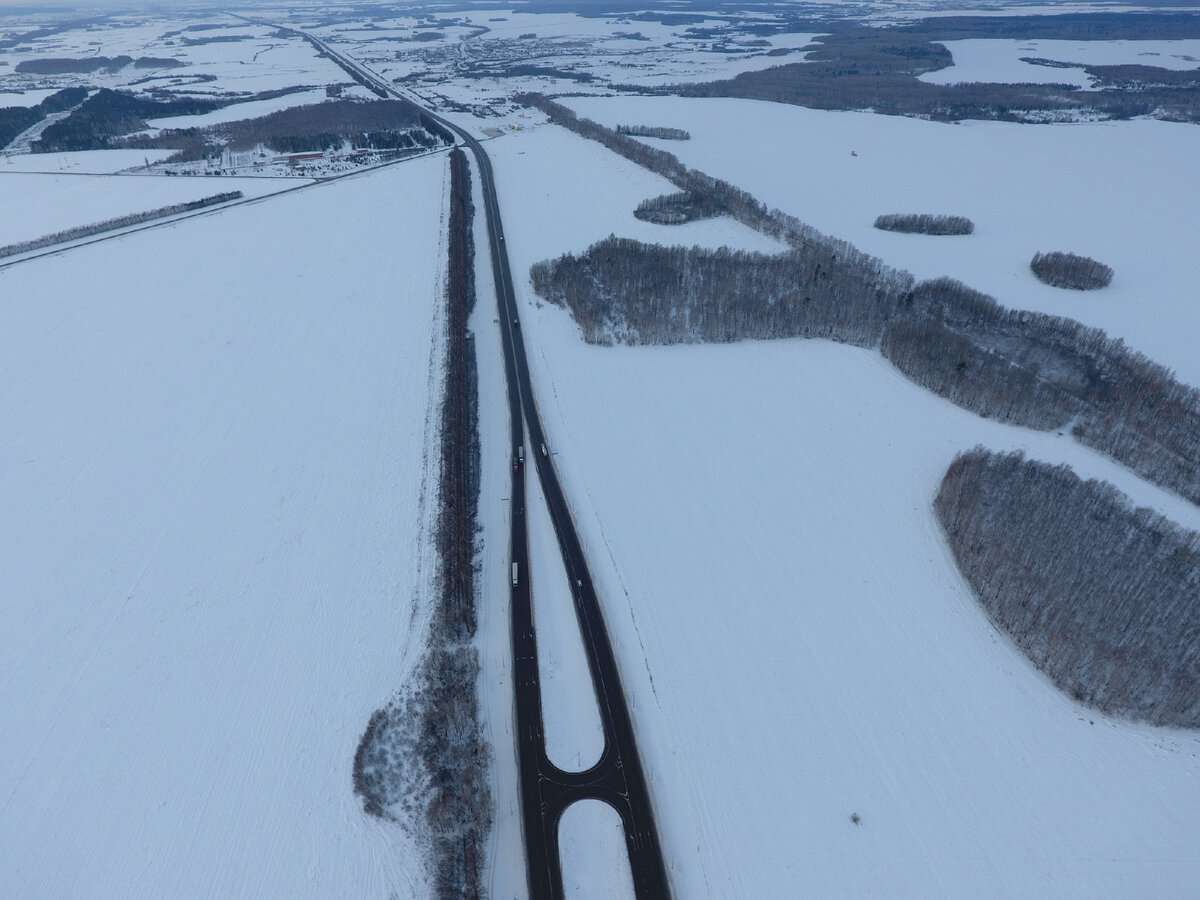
x=1067 y=270
x=924 y=223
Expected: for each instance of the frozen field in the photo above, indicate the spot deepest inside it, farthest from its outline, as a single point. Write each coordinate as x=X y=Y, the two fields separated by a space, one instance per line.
x=52 y=202
x=1121 y=192
x=1000 y=60
x=214 y=547
x=797 y=643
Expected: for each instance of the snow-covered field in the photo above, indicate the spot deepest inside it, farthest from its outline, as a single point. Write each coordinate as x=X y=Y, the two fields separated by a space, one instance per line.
x=1121 y=192
x=51 y=202
x=797 y=642
x=998 y=60
x=213 y=545
x=214 y=550
x=595 y=864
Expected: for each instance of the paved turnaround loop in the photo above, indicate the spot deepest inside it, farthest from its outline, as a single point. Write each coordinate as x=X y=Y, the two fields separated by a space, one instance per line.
x=546 y=790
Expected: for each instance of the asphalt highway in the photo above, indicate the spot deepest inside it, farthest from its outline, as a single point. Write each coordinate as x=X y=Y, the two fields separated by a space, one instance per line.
x=617 y=778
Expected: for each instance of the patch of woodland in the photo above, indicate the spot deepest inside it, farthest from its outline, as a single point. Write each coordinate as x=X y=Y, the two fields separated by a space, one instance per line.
x=378 y=124
x=424 y=755
x=354 y=73
x=107 y=114
x=635 y=293
x=1068 y=270
x=16 y=119
x=925 y=223
x=677 y=208
x=855 y=67
x=1022 y=367
x=84 y=231
x=1099 y=595
x=68 y=65
x=655 y=131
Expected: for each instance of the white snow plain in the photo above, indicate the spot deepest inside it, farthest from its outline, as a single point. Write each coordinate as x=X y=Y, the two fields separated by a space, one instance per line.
x=797 y=643
x=999 y=60
x=52 y=202
x=595 y=863
x=1121 y=192
x=214 y=547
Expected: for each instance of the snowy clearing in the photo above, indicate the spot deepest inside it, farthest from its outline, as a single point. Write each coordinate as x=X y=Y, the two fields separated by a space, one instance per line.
x=214 y=552
x=1026 y=188
x=595 y=864
x=993 y=60
x=797 y=643
x=50 y=202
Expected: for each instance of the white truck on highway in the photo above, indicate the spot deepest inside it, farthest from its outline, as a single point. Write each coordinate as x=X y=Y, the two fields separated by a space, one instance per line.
x=514 y=574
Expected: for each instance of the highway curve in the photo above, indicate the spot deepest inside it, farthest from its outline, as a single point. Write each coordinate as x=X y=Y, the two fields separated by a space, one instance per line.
x=546 y=790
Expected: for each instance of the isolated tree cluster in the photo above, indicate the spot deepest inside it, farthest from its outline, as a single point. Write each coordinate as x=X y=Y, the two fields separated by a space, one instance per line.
x=84 y=231
x=655 y=131
x=924 y=223
x=1067 y=270
x=425 y=751
x=1099 y=595
x=677 y=208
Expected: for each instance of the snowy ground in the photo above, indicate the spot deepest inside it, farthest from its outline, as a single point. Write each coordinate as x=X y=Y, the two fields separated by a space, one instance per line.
x=797 y=642
x=1121 y=192
x=214 y=548
x=591 y=844
x=994 y=60
x=53 y=202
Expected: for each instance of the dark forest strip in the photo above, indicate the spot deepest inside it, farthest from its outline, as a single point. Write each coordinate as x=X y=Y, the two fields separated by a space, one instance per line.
x=424 y=753
x=1102 y=597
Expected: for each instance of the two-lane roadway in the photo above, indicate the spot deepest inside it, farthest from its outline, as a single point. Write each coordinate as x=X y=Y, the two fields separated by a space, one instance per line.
x=546 y=790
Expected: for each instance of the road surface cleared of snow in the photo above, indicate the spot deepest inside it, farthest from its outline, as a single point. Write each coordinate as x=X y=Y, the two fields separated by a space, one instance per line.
x=573 y=733
x=215 y=556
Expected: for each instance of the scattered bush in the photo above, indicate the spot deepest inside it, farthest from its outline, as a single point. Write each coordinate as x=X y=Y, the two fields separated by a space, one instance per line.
x=924 y=223
x=1066 y=270
x=1099 y=595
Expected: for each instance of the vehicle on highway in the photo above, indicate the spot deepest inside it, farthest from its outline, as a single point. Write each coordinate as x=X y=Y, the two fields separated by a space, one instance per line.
x=514 y=575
